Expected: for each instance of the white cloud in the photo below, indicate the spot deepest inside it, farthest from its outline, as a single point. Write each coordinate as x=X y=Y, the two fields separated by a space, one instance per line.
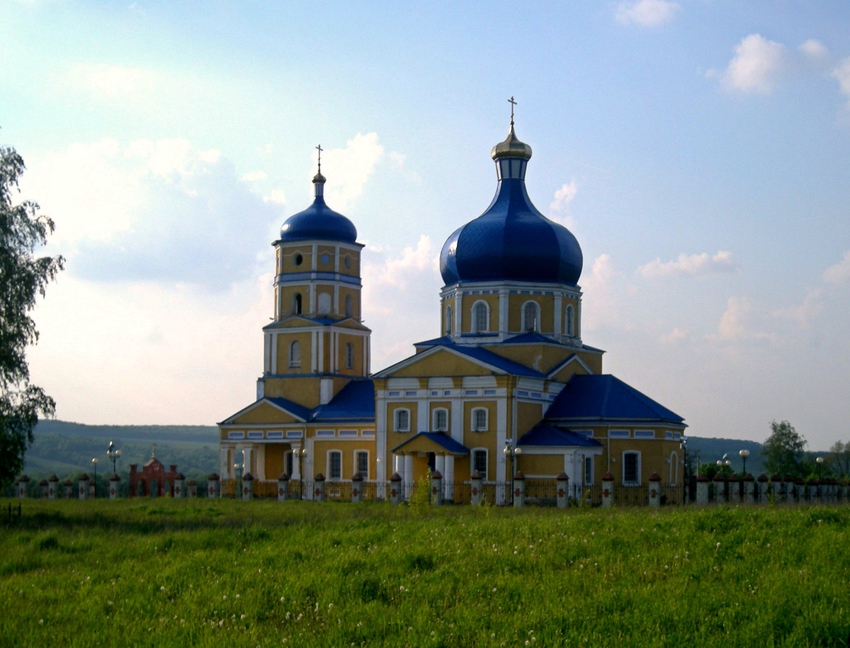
x=646 y=13
x=348 y=169
x=814 y=52
x=602 y=305
x=691 y=265
x=758 y=67
x=675 y=336
x=807 y=312
x=740 y=322
x=840 y=272
x=277 y=196
x=254 y=176
x=842 y=75
x=152 y=211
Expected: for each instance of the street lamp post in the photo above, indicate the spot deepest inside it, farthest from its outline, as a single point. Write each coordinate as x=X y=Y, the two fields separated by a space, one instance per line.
x=300 y=453
x=237 y=482
x=744 y=454
x=94 y=463
x=819 y=462
x=511 y=453
x=114 y=454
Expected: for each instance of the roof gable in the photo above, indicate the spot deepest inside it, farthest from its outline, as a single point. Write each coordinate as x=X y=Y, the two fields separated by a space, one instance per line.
x=269 y=410
x=432 y=442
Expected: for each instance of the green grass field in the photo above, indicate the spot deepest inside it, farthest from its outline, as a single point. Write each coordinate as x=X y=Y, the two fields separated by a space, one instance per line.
x=225 y=573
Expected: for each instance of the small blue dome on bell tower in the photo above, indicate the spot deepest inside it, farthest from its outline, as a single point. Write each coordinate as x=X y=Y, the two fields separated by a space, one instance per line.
x=318 y=221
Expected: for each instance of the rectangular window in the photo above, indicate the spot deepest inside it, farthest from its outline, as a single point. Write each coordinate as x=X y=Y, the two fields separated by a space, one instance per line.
x=479 y=463
x=335 y=464
x=479 y=420
x=441 y=420
x=588 y=471
x=362 y=463
x=631 y=468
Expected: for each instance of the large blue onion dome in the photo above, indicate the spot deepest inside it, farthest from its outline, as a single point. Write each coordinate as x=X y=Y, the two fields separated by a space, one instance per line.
x=512 y=240
x=318 y=221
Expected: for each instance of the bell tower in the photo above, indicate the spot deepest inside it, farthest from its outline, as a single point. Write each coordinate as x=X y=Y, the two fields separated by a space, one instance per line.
x=316 y=342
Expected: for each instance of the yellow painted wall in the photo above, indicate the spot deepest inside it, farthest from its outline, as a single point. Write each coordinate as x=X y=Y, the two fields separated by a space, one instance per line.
x=552 y=465
x=541 y=357
x=274 y=459
x=411 y=406
x=353 y=269
x=355 y=301
x=442 y=363
x=284 y=343
x=466 y=316
x=263 y=413
x=528 y=415
x=287 y=293
x=515 y=304
x=289 y=253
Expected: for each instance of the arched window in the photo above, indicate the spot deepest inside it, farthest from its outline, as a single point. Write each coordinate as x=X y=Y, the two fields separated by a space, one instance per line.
x=334 y=465
x=295 y=354
x=479 y=462
x=448 y=320
x=349 y=355
x=361 y=463
x=631 y=468
x=530 y=317
x=296 y=304
x=570 y=321
x=479 y=419
x=324 y=303
x=349 y=306
x=402 y=420
x=440 y=422
x=480 y=317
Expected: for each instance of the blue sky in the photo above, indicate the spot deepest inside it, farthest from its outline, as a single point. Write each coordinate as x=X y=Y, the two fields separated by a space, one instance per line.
x=698 y=150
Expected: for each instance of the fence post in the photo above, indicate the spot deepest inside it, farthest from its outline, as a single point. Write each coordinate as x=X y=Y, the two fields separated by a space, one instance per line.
x=607 y=490
x=83 y=490
x=436 y=488
x=655 y=490
x=319 y=488
x=702 y=490
x=192 y=489
x=357 y=488
x=749 y=484
x=22 y=486
x=395 y=489
x=475 y=488
x=213 y=486
x=283 y=487
x=179 y=486
x=563 y=490
x=247 y=487
x=114 y=482
x=519 y=490
x=53 y=487
x=68 y=489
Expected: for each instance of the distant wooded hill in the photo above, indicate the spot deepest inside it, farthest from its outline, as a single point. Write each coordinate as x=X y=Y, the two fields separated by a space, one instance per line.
x=66 y=449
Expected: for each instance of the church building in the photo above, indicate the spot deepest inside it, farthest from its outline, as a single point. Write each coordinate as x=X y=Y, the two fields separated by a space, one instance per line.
x=509 y=385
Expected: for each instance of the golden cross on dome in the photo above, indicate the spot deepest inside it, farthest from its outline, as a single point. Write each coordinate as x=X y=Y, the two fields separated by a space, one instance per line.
x=319 y=149
x=513 y=103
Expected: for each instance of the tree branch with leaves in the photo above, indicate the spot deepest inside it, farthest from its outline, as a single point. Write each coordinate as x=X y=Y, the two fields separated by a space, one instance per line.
x=23 y=277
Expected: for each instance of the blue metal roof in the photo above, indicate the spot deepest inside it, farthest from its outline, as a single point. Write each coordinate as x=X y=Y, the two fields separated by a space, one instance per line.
x=606 y=397
x=355 y=401
x=318 y=221
x=548 y=435
x=511 y=240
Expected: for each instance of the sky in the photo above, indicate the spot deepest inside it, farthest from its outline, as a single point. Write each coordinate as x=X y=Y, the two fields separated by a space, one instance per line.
x=699 y=150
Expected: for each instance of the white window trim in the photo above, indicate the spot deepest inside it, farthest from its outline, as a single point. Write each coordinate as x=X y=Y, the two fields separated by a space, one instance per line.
x=363 y=474
x=328 y=459
x=396 y=426
x=623 y=459
x=472 y=454
x=588 y=474
x=537 y=312
x=473 y=416
x=434 y=426
x=674 y=469
x=472 y=325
